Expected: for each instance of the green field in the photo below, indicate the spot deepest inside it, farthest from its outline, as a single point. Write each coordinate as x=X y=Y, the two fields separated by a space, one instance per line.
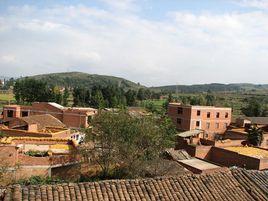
x=7 y=97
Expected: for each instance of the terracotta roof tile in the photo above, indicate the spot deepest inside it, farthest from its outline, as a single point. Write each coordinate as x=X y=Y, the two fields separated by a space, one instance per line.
x=233 y=185
x=43 y=121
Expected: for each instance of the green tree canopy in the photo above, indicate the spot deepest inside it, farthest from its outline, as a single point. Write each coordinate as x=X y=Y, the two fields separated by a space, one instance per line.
x=30 y=90
x=255 y=135
x=129 y=142
x=254 y=108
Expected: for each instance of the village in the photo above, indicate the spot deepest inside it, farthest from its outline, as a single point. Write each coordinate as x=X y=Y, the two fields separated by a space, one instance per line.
x=43 y=140
x=127 y=100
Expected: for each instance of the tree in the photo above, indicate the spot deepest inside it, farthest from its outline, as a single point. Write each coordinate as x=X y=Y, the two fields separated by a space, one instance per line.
x=30 y=90
x=131 y=97
x=56 y=95
x=170 y=98
x=98 y=100
x=210 y=99
x=80 y=96
x=129 y=143
x=65 y=97
x=255 y=135
x=255 y=108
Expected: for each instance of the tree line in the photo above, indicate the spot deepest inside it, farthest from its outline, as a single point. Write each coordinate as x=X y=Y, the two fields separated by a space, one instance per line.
x=30 y=90
x=110 y=96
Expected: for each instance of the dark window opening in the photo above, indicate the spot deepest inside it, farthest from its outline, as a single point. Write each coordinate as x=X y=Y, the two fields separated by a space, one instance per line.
x=180 y=110
x=218 y=115
x=197 y=123
x=208 y=115
x=179 y=121
x=10 y=113
x=24 y=114
x=198 y=112
x=226 y=115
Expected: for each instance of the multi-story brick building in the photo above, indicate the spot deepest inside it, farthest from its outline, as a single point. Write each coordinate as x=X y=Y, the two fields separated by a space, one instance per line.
x=212 y=120
x=70 y=116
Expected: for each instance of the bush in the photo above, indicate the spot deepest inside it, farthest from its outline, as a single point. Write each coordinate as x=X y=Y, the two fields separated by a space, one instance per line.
x=37 y=153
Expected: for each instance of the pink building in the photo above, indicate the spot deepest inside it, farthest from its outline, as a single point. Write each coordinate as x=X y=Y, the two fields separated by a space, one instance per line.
x=212 y=120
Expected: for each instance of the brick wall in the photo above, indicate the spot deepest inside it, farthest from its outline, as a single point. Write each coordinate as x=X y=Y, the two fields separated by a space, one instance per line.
x=69 y=172
x=196 y=117
x=209 y=124
x=22 y=133
x=198 y=151
x=230 y=158
x=8 y=155
x=75 y=120
x=45 y=108
x=24 y=172
x=184 y=117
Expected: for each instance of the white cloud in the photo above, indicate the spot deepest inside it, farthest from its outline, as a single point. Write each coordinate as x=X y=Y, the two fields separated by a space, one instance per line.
x=121 y=4
x=260 y=4
x=7 y=59
x=182 y=48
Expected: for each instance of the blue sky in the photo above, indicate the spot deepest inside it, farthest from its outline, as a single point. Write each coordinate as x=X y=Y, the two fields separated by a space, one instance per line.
x=154 y=42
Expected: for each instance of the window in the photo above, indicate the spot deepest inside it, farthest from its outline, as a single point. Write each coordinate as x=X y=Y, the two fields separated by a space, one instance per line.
x=208 y=125
x=24 y=114
x=225 y=125
x=217 y=115
x=197 y=123
x=180 y=110
x=226 y=115
x=217 y=125
x=179 y=121
x=208 y=115
x=198 y=112
x=10 y=113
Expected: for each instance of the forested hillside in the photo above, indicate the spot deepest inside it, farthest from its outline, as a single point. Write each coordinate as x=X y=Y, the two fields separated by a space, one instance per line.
x=214 y=87
x=78 y=79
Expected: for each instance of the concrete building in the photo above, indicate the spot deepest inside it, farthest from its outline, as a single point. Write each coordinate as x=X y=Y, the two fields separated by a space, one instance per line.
x=211 y=120
x=72 y=117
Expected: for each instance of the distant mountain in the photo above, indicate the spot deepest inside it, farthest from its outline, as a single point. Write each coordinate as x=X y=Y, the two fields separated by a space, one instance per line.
x=75 y=79
x=214 y=87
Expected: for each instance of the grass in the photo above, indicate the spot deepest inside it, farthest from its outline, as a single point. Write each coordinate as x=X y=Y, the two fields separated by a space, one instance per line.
x=7 y=97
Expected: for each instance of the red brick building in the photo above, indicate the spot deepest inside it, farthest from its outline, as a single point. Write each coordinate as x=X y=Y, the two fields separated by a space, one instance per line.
x=212 y=120
x=21 y=155
x=70 y=116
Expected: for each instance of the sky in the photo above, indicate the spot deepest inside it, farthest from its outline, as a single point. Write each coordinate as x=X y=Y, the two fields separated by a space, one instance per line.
x=153 y=42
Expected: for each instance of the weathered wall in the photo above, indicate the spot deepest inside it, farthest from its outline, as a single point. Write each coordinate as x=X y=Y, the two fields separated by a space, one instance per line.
x=230 y=158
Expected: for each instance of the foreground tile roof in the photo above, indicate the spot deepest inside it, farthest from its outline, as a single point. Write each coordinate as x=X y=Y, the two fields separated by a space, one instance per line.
x=231 y=185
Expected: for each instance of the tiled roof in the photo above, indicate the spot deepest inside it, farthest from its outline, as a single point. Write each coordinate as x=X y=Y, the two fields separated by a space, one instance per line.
x=258 y=120
x=43 y=121
x=232 y=185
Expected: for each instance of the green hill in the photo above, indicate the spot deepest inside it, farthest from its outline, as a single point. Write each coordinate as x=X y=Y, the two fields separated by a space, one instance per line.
x=214 y=87
x=75 y=79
